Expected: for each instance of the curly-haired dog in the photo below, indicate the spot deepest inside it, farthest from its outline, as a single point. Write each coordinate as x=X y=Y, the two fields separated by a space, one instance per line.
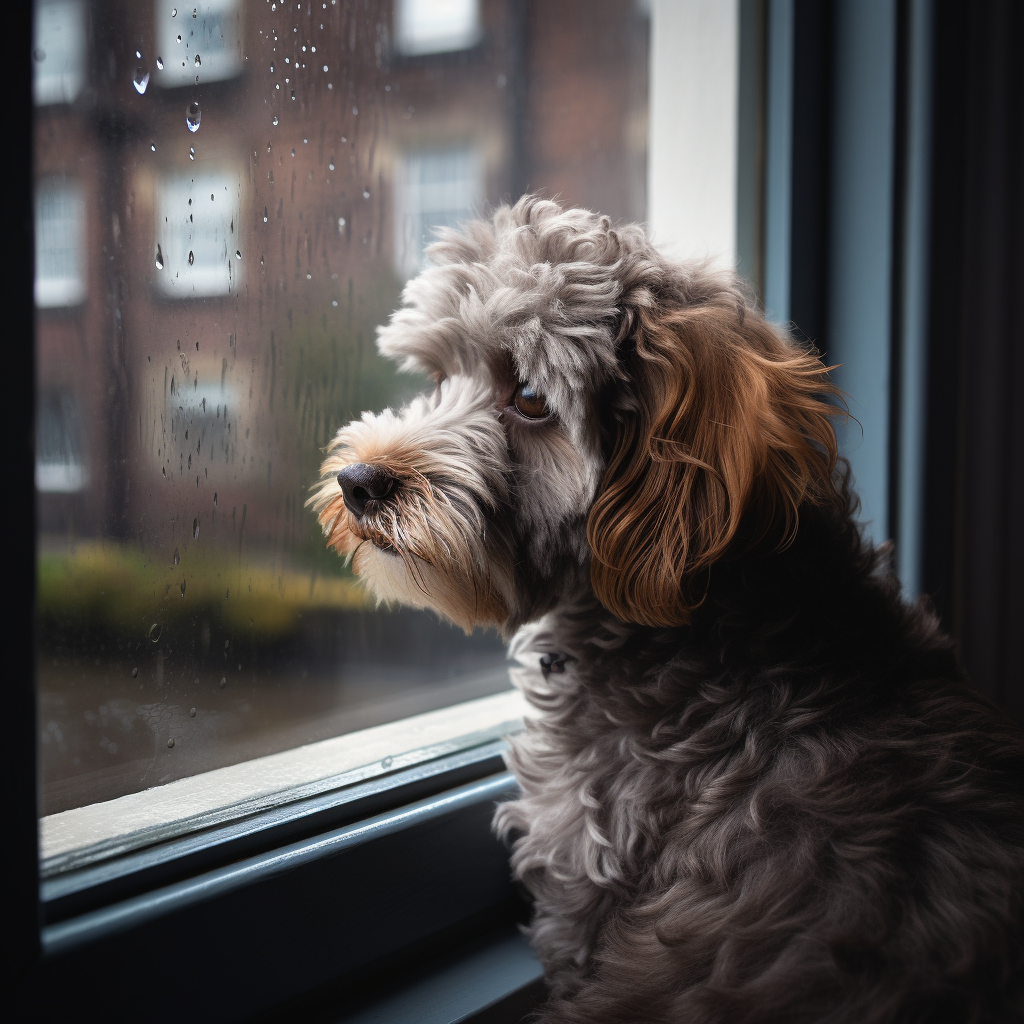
x=758 y=787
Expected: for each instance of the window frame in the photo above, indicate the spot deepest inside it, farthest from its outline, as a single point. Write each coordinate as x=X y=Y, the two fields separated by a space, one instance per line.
x=285 y=908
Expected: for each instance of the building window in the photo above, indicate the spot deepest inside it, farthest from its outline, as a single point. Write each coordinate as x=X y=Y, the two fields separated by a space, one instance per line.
x=58 y=52
x=197 y=235
x=436 y=26
x=198 y=43
x=60 y=236
x=59 y=466
x=433 y=188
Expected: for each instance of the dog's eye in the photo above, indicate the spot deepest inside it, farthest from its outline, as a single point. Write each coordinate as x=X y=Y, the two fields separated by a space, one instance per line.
x=530 y=402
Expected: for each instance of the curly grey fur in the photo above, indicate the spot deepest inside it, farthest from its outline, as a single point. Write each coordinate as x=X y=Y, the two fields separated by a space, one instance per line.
x=792 y=808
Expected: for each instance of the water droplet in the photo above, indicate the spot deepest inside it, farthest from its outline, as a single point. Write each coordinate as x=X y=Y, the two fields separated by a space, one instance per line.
x=238 y=254
x=387 y=762
x=138 y=54
x=182 y=588
x=264 y=215
x=199 y=63
x=170 y=742
x=174 y=12
x=195 y=11
x=39 y=54
x=195 y=529
x=177 y=557
x=275 y=119
x=325 y=67
x=223 y=682
x=159 y=258
x=191 y=257
x=191 y=156
x=341 y=223
x=192 y=116
x=192 y=712
x=214 y=499
x=179 y=40
x=140 y=79
x=366 y=193
x=330 y=167
x=293 y=94
x=154 y=632
x=271 y=68
x=159 y=63
x=135 y=673
x=152 y=146
x=293 y=152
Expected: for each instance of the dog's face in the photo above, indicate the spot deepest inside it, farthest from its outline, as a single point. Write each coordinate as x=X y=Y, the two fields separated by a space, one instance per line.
x=569 y=414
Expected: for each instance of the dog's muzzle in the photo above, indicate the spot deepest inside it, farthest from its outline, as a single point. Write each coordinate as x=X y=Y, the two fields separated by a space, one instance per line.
x=363 y=483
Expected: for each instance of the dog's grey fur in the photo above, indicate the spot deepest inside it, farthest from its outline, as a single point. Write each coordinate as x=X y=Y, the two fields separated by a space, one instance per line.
x=790 y=806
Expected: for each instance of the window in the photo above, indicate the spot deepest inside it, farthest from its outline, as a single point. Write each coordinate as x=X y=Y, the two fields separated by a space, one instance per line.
x=58 y=51
x=60 y=244
x=433 y=188
x=59 y=465
x=196 y=236
x=436 y=26
x=199 y=43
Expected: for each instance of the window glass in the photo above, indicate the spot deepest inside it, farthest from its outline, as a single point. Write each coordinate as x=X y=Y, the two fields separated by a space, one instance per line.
x=229 y=199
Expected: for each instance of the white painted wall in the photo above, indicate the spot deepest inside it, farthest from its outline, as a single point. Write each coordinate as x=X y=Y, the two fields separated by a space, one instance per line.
x=694 y=106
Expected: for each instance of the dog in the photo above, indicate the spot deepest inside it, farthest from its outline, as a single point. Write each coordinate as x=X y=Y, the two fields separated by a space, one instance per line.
x=757 y=786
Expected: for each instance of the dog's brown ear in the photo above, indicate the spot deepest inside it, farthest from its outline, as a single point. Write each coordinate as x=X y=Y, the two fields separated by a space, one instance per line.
x=729 y=427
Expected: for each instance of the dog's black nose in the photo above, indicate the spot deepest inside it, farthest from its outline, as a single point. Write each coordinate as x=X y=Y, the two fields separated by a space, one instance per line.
x=364 y=482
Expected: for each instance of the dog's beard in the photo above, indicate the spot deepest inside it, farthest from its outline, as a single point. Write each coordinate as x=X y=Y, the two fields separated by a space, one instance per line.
x=426 y=545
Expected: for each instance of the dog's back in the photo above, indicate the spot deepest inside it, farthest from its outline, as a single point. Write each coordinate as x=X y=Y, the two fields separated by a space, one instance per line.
x=794 y=810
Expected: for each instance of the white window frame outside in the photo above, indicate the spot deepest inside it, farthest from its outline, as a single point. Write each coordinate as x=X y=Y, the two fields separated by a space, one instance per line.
x=60 y=243
x=436 y=26
x=58 y=51
x=207 y=228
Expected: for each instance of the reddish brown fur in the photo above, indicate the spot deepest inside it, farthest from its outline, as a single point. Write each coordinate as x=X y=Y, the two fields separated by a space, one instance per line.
x=731 y=427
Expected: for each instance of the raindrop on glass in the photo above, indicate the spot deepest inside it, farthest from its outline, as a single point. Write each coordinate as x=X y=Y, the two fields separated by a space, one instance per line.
x=191 y=153
x=135 y=673
x=159 y=258
x=293 y=94
x=366 y=193
x=174 y=12
x=138 y=54
x=195 y=529
x=159 y=63
x=199 y=63
x=192 y=116
x=179 y=39
x=271 y=68
x=275 y=120
x=170 y=742
x=387 y=762
x=182 y=588
x=192 y=713
x=140 y=79
x=238 y=254
x=152 y=146
x=264 y=215
x=223 y=681
x=214 y=499
x=330 y=167
x=154 y=632
x=177 y=557
x=341 y=223
x=195 y=11
x=191 y=257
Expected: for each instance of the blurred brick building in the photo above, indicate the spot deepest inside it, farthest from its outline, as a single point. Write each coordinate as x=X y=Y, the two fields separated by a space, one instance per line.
x=228 y=198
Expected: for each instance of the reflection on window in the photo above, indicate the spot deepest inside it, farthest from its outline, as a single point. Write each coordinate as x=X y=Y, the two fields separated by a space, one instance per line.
x=435 y=26
x=196 y=234
x=60 y=230
x=59 y=467
x=198 y=43
x=433 y=188
x=58 y=51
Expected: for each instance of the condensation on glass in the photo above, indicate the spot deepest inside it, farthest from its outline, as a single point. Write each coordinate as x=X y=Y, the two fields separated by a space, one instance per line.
x=228 y=199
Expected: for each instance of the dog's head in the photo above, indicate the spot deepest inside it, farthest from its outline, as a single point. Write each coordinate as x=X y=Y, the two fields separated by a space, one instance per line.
x=602 y=417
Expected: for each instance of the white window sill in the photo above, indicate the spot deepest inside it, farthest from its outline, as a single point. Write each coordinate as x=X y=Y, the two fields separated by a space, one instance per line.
x=84 y=835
